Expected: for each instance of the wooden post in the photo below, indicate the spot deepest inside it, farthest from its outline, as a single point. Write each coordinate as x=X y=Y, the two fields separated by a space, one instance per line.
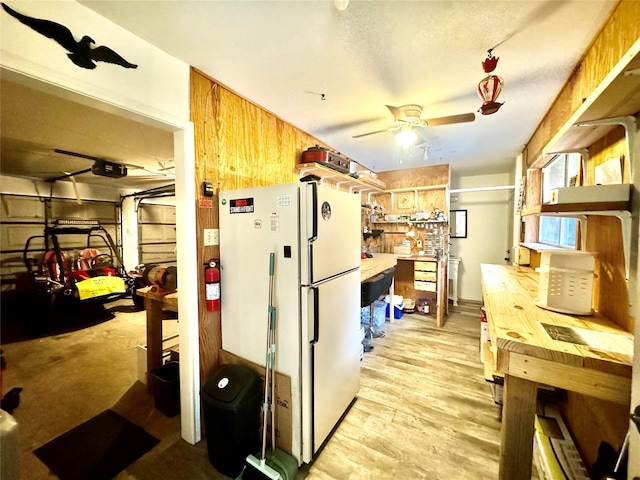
x=518 y=414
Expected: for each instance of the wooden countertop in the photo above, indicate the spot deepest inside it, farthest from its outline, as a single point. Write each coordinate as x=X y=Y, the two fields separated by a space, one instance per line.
x=413 y=258
x=370 y=267
x=169 y=299
x=515 y=326
x=598 y=364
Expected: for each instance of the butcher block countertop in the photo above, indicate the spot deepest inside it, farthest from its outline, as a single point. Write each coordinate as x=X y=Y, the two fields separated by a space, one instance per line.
x=370 y=267
x=516 y=326
x=586 y=354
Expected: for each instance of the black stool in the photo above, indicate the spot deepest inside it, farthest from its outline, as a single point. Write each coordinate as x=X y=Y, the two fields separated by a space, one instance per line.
x=370 y=291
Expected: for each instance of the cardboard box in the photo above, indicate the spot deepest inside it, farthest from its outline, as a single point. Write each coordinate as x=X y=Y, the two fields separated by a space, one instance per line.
x=521 y=256
x=590 y=194
x=402 y=249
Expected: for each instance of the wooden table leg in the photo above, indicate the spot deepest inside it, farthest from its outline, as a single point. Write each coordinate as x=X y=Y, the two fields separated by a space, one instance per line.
x=154 y=336
x=518 y=415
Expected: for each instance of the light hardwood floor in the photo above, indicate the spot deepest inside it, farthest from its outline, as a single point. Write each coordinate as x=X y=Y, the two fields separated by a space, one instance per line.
x=423 y=410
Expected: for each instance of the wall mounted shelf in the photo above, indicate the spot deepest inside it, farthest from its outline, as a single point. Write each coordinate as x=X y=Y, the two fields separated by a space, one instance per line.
x=360 y=185
x=581 y=211
x=575 y=209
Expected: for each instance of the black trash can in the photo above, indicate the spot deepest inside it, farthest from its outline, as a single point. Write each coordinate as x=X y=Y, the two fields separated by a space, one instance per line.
x=231 y=401
x=165 y=382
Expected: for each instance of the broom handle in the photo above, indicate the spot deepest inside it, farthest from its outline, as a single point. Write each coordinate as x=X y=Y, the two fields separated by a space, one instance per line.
x=272 y=335
x=265 y=405
x=273 y=383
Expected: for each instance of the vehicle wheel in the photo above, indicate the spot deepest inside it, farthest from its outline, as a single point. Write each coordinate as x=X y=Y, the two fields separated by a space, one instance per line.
x=138 y=301
x=37 y=310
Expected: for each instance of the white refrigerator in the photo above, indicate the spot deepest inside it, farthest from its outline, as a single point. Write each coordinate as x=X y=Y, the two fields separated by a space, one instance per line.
x=314 y=232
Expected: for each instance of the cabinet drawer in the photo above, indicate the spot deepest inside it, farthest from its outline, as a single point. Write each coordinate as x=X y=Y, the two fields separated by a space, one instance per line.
x=426 y=266
x=424 y=286
x=425 y=276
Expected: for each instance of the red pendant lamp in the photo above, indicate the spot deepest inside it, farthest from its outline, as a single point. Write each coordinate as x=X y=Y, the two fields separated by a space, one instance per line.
x=490 y=86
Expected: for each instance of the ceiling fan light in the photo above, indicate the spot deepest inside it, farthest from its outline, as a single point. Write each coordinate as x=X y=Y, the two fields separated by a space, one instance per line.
x=406 y=137
x=340 y=4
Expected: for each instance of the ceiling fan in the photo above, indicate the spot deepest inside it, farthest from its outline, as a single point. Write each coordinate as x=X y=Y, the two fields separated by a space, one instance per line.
x=408 y=117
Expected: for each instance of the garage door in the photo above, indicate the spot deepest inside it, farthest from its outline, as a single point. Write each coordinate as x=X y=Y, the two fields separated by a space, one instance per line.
x=157 y=233
x=24 y=216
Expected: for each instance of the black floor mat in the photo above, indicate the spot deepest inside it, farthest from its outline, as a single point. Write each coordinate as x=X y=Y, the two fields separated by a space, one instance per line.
x=96 y=449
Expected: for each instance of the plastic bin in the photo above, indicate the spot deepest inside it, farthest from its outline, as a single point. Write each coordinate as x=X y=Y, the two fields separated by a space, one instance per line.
x=231 y=400
x=379 y=308
x=165 y=381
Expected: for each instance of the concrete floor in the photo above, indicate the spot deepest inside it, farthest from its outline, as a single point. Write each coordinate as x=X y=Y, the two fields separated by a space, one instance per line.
x=80 y=367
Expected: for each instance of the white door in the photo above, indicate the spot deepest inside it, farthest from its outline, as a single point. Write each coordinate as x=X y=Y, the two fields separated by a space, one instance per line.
x=332 y=234
x=335 y=355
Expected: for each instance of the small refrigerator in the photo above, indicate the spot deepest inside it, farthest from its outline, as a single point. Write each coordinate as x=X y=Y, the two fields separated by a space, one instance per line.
x=314 y=232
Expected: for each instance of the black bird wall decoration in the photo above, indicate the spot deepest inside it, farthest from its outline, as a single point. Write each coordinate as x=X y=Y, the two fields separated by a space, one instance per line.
x=82 y=53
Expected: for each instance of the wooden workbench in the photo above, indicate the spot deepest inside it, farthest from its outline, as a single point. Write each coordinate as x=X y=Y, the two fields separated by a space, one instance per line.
x=154 y=303
x=370 y=267
x=526 y=355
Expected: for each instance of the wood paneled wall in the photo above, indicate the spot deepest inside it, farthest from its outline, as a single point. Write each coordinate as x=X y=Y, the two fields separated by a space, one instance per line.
x=428 y=200
x=621 y=31
x=590 y=420
x=237 y=145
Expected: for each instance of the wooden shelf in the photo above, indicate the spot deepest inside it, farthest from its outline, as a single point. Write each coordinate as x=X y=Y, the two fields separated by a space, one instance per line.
x=341 y=179
x=575 y=209
x=394 y=222
x=617 y=96
x=622 y=210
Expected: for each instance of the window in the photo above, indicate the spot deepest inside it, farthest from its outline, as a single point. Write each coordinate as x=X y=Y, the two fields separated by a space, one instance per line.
x=561 y=171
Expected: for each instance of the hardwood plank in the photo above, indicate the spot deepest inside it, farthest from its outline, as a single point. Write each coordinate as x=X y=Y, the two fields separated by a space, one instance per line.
x=424 y=409
x=589 y=382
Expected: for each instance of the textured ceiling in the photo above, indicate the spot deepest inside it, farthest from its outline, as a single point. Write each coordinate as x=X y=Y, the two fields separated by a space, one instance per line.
x=286 y=56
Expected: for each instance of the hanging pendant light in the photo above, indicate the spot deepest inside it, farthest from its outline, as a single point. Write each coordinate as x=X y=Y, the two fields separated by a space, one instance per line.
x=490 y=86
x=406 y=136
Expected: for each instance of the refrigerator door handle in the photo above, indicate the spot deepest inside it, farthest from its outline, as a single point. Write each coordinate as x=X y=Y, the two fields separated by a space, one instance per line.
x=316 y=315
x=314 y=215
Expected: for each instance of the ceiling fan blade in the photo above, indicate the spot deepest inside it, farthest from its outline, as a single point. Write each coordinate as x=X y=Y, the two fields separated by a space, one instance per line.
x=462 y=118
x=373 y=133
x=396 y=112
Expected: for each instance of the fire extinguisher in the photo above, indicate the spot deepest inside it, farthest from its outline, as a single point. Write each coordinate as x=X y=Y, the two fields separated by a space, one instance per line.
x=212 y=286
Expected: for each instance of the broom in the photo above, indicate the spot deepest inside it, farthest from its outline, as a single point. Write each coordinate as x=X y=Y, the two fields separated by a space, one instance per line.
x=257 y=468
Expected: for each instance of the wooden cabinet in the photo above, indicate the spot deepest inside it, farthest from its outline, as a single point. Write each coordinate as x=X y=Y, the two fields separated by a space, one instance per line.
x=425 y=276
x=419 y=276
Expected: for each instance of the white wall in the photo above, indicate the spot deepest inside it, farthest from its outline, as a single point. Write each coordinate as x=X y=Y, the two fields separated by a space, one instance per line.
x=159 y=86
x=156 y=93
x=489 y=228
